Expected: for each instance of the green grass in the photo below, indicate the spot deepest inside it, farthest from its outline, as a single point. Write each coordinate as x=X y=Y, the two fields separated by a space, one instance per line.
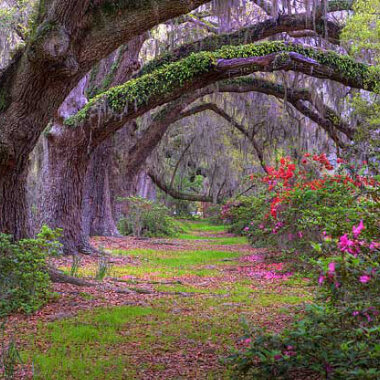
x=164 y=264
x=214 y=240
x=78 y=348
x=115 y=343
x=174 y=263
x=110 y=343
x=203 y=226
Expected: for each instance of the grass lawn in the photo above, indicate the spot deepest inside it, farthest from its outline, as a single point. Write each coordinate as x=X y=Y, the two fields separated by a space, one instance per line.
x=182 y=331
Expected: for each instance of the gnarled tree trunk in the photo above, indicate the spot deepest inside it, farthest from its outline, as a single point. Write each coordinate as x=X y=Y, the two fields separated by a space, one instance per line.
x=97 y=215
x=64 y=173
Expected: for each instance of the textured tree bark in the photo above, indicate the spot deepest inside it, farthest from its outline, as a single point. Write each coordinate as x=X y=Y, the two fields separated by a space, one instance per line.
x=13 y=209
x=97 y=215
x=64 y=176
x=80 y=177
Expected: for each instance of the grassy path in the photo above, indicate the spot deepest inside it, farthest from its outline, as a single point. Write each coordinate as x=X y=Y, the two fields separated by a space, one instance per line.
x=168 y=309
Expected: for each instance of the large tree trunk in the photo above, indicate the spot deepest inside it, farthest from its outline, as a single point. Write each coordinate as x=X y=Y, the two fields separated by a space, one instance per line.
x=13 y=209
x=76 y=194
x=64 y=175
x=97 y=215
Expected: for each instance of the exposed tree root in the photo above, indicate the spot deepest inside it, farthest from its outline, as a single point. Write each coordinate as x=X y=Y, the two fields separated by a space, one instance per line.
x=58 y=276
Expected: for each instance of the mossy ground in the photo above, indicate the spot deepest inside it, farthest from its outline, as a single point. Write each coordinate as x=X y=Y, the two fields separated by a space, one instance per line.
x=182 y=329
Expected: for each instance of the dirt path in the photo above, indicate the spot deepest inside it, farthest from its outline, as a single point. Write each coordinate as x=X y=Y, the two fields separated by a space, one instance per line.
x=167 y=309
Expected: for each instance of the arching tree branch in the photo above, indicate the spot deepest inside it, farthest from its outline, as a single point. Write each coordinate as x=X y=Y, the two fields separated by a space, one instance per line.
x=109 y=111
x=214 y=108
x=178 y=194
x=320 y=113
x=248 y=35
x=177 y=110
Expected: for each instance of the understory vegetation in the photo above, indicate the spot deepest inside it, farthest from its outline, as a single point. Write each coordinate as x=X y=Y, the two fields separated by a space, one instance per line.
x=24 y=281
x=195 y=294
x=147 y=218
x=329 y=224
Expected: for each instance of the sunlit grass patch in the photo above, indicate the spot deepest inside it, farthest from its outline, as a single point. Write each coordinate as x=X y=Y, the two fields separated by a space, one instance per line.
x=202 y=225
x=179 y=259
x=181 y=288
x=78 y=348
x=163 y=264
x=147 y=271
x=229 y=240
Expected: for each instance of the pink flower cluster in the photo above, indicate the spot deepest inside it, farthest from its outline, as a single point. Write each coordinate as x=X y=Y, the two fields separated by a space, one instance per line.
x=289 y=351
x=351 y=246
x=330 y=275
x=367 y=314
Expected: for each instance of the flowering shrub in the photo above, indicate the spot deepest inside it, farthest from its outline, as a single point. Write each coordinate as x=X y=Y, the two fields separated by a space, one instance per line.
x=338 y=337
x=298 y=202
x=238 y=213
x=331 y=216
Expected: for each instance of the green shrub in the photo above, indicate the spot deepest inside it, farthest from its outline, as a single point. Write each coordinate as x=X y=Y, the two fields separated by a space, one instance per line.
x=240 y=213
x=147 y=218
x=213 y=214
x=24 y=281
x=296 y=204
x=331 y=220
x=324 y=343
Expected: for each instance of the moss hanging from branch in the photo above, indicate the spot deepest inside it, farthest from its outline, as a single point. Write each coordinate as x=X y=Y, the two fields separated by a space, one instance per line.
x=181 y=74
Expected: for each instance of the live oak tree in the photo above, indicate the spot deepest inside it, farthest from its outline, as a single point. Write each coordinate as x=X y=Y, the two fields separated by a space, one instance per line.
x=70 y=38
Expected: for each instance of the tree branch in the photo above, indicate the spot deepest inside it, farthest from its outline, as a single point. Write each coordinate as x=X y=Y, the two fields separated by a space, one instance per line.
x=109 y=111
x=214 y=108
x=248 y=35
x=323 y=115
x=178 y=194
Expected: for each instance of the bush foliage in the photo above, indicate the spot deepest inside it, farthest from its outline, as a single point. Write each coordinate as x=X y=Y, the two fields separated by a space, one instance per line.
x=147 y=218
x=24 y=281
x=328 y=220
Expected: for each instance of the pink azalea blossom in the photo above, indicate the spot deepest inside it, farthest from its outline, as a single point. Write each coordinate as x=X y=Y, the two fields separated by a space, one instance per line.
x=300 y=234
x=355 y=313
x=345 y=244
x=331 y=268
x=374 y=245
x=321 y=279
x=246 y=228
x=290 y=353
x=357 y=230
x=325 y=236
x=364 y=279
x=261 y=226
